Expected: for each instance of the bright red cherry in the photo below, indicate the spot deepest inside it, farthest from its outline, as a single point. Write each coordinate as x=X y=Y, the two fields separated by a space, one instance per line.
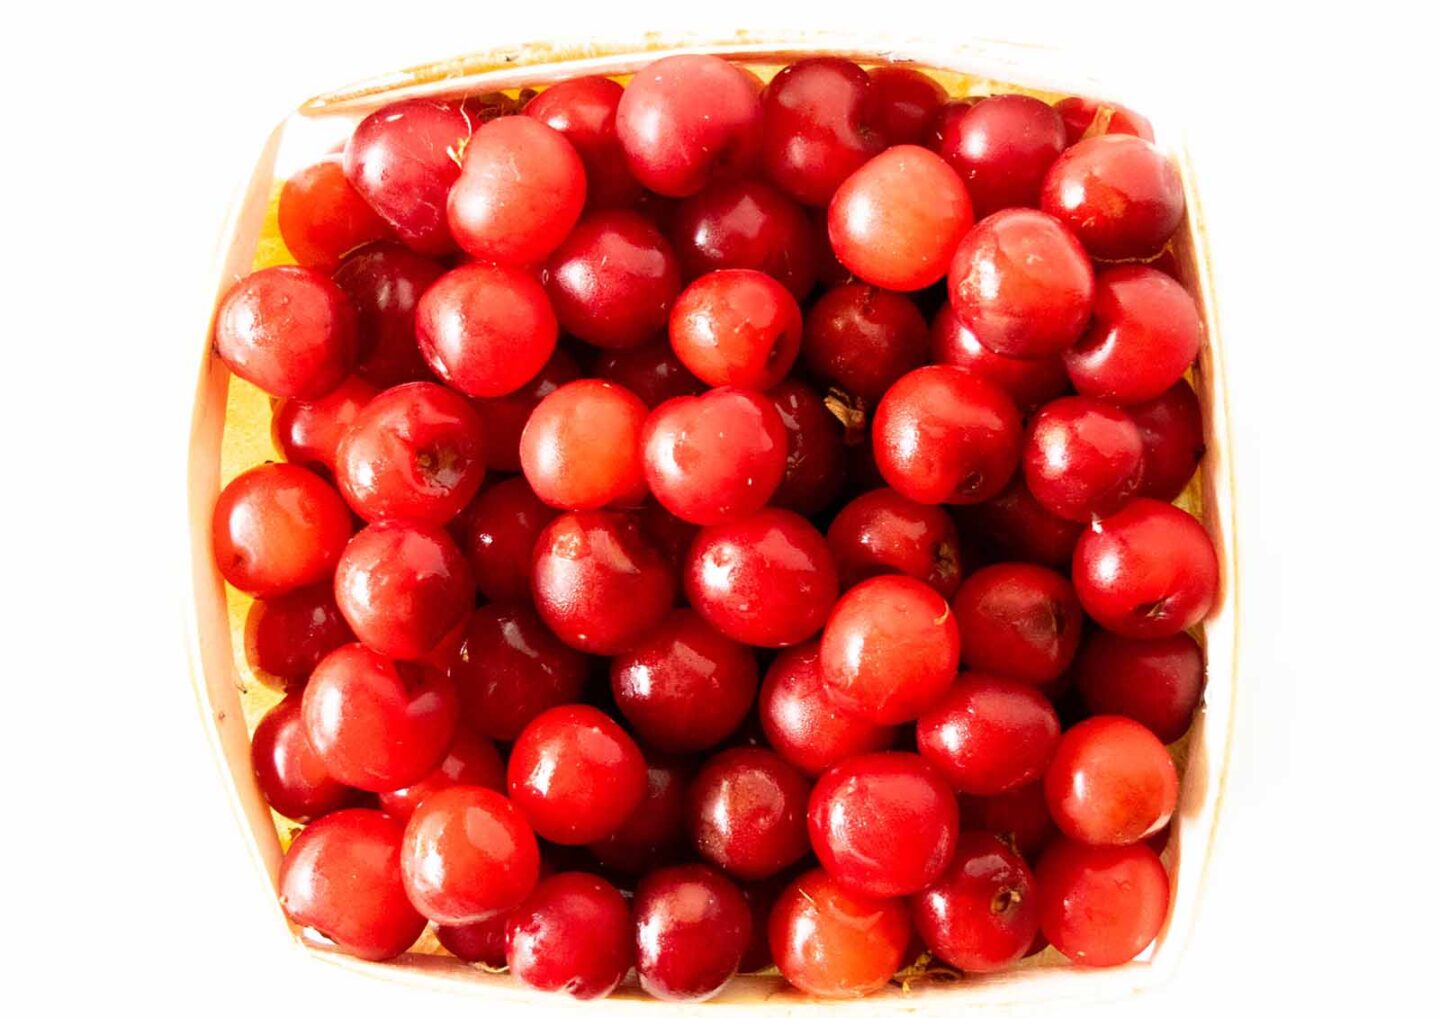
x=856 y=814
x=833 y=943
x=1086 y=116
x=572 y=935
x=902 y=103
x=1145 y=334
x=1019 y=620
x=309 y=433
x=1083 y=458
x=581 y=449
x=860 y=339
x=1028 y=382
x=1002 y=148
x=882 y=532
x=341 y=878
x=471 y=760
x=801 y=723
x=736 y=327
x=1172 y=430
x=286 y=636
x=817 y=130
x=501 y=528
x=1019 y=817
x=983 y=913
x=384 y=282
x=815 y=450
x=288 y=330
x=692 y=926
x=654 y=834
x=747 y=224
x=1111 y=782
x=506 y=416
x=1017 y=527
x=989 y=734
x=651 y=371
x=322 y=217
x=1101 y=905
x=745 y=812
x=291 y=775
x=1119 y=194
x=1155 y=682
x=583 y=110
x=276 y=528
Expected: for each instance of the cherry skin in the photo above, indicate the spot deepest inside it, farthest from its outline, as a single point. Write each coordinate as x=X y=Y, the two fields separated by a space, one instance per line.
x=767 y=580
x=654 y=834
x=599 y=582
x=384 y=282
x=817 y=130
x=902 y=103
x=291 y=775
x=572 y=935
x=501 y=528
x=308 y=433
x=860 y=804
x=287 y=330
x=1086 y=116
x=714 y=457
x=989 y=734
x=322 y=217
x=403 y=159
x=942 y=435
x=506 y=416
x=1145 y=334
x=1119 y=194
x=687 y=120
x=1147 y=572
x=583 y=110
x=402 y=586
x=883 y=532
x=747 y=224
x=1020 y=528
x=1155 y=682
x=276 y=528
x=468 y=855
x=815 y=450
x=471 y=760
x=692 y=926
x=1101 y=905
x=576 y=775
x=482 y=942
x=1019 y=817
x=860 y=339
x=736 y=327
x=801 y=723
x=1083 y=458
x=1002 y=148
x=1172 y=430
x=745 y=811
x=486 y=329
x=833 y=943
x=897 y=220
x=521 y=189
x=286 y=636
x=684 y=687
x=415 y=452
x=613 y=280
x=983 y=913
x=341 y=878
x=1023 y=284
x=1019 y=620
x=1111 y=782
x=581 y=448
x=651 y=371
x=1028 y=382
x=509 y=669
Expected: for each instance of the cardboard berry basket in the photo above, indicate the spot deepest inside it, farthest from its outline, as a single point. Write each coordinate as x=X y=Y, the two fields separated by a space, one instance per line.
x=231 y=432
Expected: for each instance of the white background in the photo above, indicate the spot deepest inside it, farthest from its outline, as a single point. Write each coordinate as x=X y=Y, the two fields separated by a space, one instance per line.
x=127 y=126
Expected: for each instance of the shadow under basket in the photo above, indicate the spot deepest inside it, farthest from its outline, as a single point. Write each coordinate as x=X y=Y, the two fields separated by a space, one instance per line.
x=230 y=432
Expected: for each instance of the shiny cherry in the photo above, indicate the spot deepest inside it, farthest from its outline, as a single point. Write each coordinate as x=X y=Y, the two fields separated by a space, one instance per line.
x=882 y=532
x=572 y=935
x=583 y=110
x=860 y=339
x=1028 y=382
x=384 y=282
x=1101 y=905
x=989 y=734
x=902 y=103
x=747 y=224
x=322 y=217
x=1155 y=682
x=1145 y=334
x=736 y=327
x=286 y=636
x=1111 y=782
x=1172 y=430
x=831 y=942
x=1083 y=458
x=501 y=527
x=291 y=775
x=1119 y=194
x=692 y=926
x=1002 y=148
x=308 y=433
x=480 y=942
x=1019 y=620
x=471 y=760
x=983 y=913
x=816 y=127
x=1087 y=116
x=801 y=723
x=745 y=811
x=278 y=527
x=581 y=447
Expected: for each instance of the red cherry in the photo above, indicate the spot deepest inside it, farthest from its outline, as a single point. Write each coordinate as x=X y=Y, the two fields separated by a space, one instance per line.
x=745 y=811
x=1145 y=334
x=883 y=532
x=500 y=532
x=581 y=448
x=736 y=327
x=815 y=450
x=834 y=943
x=801 y=723
x=747 y=224
x=1172 y=430
x=1082 y=458
x=860 y=339
x=583 y=110
x=1019 y=620
x=1019 y=527
x=651 y=371
x=384 y=282
x=989 y=734
x=1084 y=116
x=276 y=528
x=506 y=416
x=291 y=775
x=1028 y=383
x=691 y=928
x=1119 y=194
x=308 y=433
x=471 y=760
x=983 y=914
x=572 y=935
x=482 y=942
x=1002 y=148
x=1101 y=905
x=1111 y=782
x=1019 y=817
x=287 y=330
x=1155 y=682
x=655 y=832
x=322 y=217
x=902 y=102
x=816 y=132
x=286 y=636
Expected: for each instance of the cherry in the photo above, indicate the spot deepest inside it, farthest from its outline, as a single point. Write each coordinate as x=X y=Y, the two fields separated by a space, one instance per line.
x=521 y=189
x=509 y=669
x=860 y=339
x=341 y=878
x=322 y=218
x=1111 y=782
x=506 y=416
x=482 y=942
x=402 y=586
x=902 y=103
x=287 y=330
x=1155 y=682
x=1028 y=382
x=1019 y=527
x=471 y=760
x=377 y=724
x=989 y=734
x=692 y=926
x=583 y=110
x=1145 y=334
x=291 y=775
x=1019 y=620
x=500 y=532
x=883 y=532
x=1147 y=572
x=573 y=934
x=1119 y=195
x=581 y=448
x=816 y=132
x=1022 y=283
x=468 y=855
x=831 y=942
x=767 y=580
x=896 y=221
x=384 y=282
x=684 y=687
x=651 y=371
x=858 y=808
x=942 y=133
x=599 y=582
x=613 y=280
x=1020 y=817
x=403 y=159
x=815 y=450
x=1101 y=905
x=486 y=329
x=714 y=457
x=1083 y=458
x=942 y=435
x=736 y=327
x=745 y=812
x=687 y=120
x=983 y=914
x=576 y=775
x=747 y=224
x=654 y=833
x=415 y=452
x=308 y=433
x=801 y=723
x=1002 y=148
x=1172 y=430
x=286 y=636
x=1086 y=116
x=276 y=528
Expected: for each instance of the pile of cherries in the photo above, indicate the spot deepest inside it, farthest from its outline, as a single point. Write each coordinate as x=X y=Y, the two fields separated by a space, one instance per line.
x=725 y=525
